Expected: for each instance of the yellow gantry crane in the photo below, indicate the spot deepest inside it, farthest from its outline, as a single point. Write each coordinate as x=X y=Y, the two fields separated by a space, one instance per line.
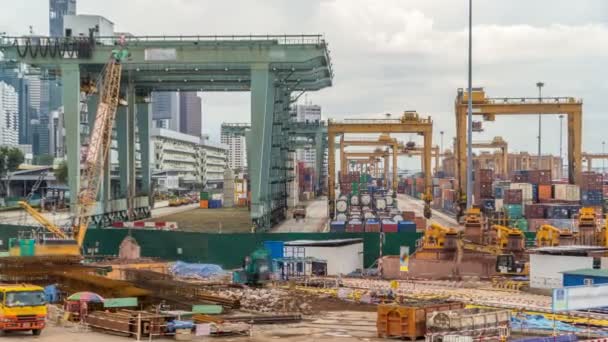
x=501 y=144
x=96 y=155
x=589 y=157
x=419 y=151
x=383 y=140
x=410 y=122
x=372 y=157
x=489 y=108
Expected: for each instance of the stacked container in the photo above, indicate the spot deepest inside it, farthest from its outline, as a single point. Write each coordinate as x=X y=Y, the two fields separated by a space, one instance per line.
x=483 y=186
x=592 y=189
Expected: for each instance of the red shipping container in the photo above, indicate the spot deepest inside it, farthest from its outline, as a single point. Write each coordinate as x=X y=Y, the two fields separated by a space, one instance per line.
x=544 y=177
x=354 y=227
x=513 y=196
x=544 y=192
x=591 y=181
x=535 y=211
x=420 y=223
x=389 y=226
x=372 y=227
x=484 y=176
x=605 y=190
x=408 y=215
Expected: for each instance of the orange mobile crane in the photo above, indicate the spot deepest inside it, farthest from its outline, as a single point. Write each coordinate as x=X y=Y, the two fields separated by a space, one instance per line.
x=99 y=147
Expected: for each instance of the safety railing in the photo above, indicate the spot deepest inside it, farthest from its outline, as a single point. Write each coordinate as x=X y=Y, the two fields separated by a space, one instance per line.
x=532 y=100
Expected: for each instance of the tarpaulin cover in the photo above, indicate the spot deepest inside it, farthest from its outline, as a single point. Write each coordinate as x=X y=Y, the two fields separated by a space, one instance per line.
x=539 y=322
x=172 y=326
x=184 y=269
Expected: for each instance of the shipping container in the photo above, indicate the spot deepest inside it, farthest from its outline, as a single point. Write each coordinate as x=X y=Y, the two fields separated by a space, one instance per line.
x=592 y=197
x=566 y=192
x=354 y=226
x=408 y=215
x=467 y=319
x=408 y=321
x=498 y=204
x=204 y=195
x=420 y=223
x=406 y=227
x=544 y=191
x=483 y=176
x=535 y=210
x=526 y=190
x=513 y=196
x=389 y=226
x=514 y=211
x=337 y=226
x=372 y=225
x=203 y=204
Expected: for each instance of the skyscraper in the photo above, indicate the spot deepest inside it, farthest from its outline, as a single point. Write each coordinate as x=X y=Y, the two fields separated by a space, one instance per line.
x=9 y=115
x=165 y=110
x=190 y=113
x=13 y=75
x=57 y=9
x=306 y=113
x=237 y=151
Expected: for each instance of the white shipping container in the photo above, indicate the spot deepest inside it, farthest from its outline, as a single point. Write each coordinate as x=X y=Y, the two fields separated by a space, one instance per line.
x=566 y=192
x=498 y=203
x=457 y=338
x=526 y=190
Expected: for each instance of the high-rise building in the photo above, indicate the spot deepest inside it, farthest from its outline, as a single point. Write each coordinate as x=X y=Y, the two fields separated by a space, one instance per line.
x=9 y=115
x=306 y=113
x=40 y=136
x=165 y=110
x=190 y=113
x=13 y=75
x=34 y=91
x=58 y=9
x=237 y=151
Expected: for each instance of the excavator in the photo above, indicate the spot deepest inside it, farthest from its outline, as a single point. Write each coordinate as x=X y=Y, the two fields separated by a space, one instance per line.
x=437 y=236
x=506 y=234
x=70 y=241
x=550 y=236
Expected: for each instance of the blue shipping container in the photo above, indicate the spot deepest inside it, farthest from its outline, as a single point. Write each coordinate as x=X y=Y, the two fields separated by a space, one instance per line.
x=592 y=197
x=559 y=338
x=337 y=226
x=406 y=227
x=499 y=192
x=275 y=248
x=215 y=204
x=488 y=204
x=535 y=193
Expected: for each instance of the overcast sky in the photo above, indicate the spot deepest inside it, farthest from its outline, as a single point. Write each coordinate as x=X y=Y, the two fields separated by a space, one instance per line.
x=391 y=55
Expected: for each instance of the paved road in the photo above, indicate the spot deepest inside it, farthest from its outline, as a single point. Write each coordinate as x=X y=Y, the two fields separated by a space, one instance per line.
x=409 y=203
x=316 y=219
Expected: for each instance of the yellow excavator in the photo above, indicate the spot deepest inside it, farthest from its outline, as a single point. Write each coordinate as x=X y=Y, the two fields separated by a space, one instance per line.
x=70 y=241
x=550 y=236
x=437 y=236
x=505 y=234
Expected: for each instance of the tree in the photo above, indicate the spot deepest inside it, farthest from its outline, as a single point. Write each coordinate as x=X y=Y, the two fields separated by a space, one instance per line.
x=44 y=159
x=61 y=172
x=10 y=159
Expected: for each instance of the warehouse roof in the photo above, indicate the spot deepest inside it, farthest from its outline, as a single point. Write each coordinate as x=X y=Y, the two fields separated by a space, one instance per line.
x=323 y=243
x=591 y=272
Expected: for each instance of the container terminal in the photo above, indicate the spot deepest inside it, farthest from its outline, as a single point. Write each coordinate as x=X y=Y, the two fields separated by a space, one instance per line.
x=323 y=235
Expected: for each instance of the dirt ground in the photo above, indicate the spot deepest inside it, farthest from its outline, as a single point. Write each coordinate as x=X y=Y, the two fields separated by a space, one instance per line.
x=228 y=220
x=344 y=326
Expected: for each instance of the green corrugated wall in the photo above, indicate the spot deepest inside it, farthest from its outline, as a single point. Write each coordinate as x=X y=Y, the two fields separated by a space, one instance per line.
x=227 y=250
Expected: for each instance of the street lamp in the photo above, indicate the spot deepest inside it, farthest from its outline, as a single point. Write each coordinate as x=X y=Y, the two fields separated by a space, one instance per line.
x=540 y=99
x=603 y=160
x=561 y=126
x=470 y=113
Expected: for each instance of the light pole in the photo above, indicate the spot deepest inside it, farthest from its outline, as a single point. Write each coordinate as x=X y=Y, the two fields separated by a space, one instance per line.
x=470 y=113
x=603 y=160
x=561 y=126
x=540 y=99
x=441 y=149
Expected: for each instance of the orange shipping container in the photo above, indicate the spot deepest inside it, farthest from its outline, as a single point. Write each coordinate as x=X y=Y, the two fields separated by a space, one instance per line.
x=544 y=191
x=204 y=204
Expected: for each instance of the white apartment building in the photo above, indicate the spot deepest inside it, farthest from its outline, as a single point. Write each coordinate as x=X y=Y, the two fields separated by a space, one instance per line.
x=306 y=113
x=9 y=115
x=237 y=150
x=194 y=160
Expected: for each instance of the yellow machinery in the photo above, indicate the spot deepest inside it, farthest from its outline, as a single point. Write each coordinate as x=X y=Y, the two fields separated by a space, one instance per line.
x=439 y=237
x=550 y=236
x=509 y=238
x=473 y=225
x=489 y=108
x=603 y=233
x=419 y=151
x=22 y=308
x=374 y=157
x=501 y=144
x=587 y=227
x=410 y=122
x=383 y=140
x=97 y=153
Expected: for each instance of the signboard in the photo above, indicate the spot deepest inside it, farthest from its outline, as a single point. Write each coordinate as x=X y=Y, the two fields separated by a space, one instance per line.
x=155 y=54
x=404 y=258
x=580 y=298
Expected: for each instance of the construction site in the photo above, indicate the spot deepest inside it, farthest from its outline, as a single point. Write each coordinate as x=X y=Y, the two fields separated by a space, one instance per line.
x=478 y=241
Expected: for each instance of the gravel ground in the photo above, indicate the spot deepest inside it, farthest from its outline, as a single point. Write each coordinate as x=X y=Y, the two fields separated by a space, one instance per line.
x=226 y=220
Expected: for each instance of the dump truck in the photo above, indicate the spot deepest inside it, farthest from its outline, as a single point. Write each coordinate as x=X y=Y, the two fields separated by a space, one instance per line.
x=22 y=308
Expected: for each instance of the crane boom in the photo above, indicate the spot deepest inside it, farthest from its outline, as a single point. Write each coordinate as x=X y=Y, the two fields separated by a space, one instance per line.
x=42 y=220
x=99 y=146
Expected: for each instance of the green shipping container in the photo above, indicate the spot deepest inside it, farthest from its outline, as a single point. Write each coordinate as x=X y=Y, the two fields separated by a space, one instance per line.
x=514 y=211
x=522 y=224
x=27 y=247
x=204 y=196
